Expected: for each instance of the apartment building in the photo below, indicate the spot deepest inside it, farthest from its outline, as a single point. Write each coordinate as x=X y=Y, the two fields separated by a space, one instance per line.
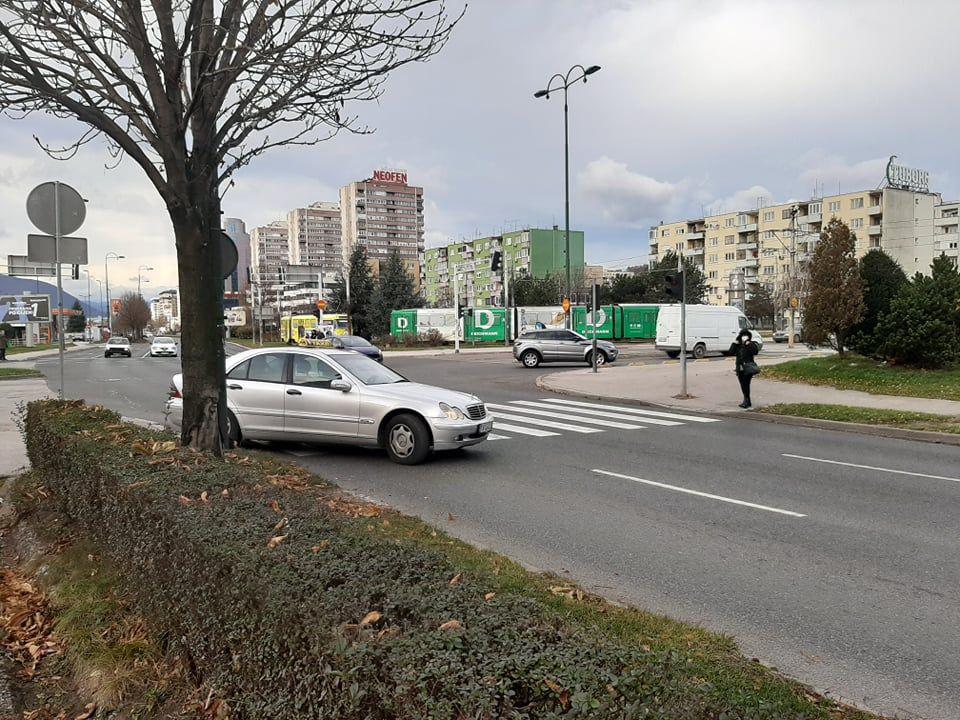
x=534 y=252
x=269 y=247
x=384 y=214
x=945 y=230
x=165 y=310
x=737 y=251
x=236 y=230
x=313 y=236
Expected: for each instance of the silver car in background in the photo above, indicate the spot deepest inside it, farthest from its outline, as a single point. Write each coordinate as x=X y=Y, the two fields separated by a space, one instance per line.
x=340 y=396
x=544 y=346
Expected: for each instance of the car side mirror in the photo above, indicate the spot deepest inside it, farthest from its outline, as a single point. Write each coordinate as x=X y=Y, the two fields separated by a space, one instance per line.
x=341 y=385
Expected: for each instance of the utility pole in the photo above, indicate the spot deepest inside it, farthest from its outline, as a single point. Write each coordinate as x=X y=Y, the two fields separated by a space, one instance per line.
x=593 y=307
x=507 y=315
x=683 y=326
x=456 y=310
x=793 y=274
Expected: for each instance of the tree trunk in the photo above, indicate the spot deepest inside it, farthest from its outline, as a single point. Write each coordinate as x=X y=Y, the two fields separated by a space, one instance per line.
x=196 y=227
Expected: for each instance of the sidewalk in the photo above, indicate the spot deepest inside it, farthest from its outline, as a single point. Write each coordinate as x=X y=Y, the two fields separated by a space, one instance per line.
x=52 y=352
x=13 y=454
x=714 y=388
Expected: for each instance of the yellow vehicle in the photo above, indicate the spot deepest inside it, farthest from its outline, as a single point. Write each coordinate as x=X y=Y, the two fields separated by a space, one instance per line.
x=294 y=329
x=335 y=324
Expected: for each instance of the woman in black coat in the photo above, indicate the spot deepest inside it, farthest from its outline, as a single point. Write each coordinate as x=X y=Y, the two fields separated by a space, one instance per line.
x=745 y=350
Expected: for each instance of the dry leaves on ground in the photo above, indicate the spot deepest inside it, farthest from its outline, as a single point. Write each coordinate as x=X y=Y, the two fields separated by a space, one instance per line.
x=25 y=618
x=573 y=593
x=353 y=509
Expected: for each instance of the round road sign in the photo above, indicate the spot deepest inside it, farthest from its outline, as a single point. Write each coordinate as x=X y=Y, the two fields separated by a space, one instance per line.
x=229 y=257
x=43 y=201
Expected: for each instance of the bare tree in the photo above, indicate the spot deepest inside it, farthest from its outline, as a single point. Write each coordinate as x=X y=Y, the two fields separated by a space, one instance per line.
x=192 y=90
x=134 y=315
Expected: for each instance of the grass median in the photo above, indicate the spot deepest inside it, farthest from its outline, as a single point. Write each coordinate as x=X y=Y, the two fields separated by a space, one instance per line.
x=868 y=416
x=855 y=372
x=15 y=373
x=283 y=594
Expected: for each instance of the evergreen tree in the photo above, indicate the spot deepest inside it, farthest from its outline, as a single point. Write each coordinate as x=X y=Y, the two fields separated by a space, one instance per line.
x=760 y=305
x=882 y=278
x=362 y=292
x=77 y=323
x=696 y=286
x=834 y=303
x=395 y=291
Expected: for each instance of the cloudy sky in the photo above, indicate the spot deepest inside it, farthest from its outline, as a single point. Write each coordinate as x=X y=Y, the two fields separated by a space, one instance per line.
x=699 y=105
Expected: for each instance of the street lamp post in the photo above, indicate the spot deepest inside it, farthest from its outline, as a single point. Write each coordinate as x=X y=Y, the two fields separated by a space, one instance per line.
x=139 y=269
x=106 y=277
x=565 y=82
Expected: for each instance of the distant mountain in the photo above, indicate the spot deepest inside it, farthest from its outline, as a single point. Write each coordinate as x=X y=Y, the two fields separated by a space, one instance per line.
x=10 y=285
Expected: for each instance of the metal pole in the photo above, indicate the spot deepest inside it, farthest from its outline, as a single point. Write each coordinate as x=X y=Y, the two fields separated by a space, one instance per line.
x=793 y=273
x=566 y=197
x=56 y=212
x=507 y=315
x=349 y=306
x=86 y=325
x=106 y=277
x=593 y=304
x=456 y=311
x=683 y=326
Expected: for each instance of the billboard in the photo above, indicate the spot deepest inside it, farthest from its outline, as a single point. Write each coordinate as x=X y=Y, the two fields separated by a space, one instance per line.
x=20 y=266
x=235 y=317
x=16 y=309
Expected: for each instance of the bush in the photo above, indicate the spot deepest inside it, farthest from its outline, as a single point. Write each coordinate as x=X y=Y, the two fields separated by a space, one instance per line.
x=882 y=278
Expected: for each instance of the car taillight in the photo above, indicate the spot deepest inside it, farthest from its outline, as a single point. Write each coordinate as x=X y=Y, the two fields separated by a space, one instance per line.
x=174 y=393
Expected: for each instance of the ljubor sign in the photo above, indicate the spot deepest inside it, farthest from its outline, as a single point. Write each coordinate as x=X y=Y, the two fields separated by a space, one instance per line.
x=904 y=178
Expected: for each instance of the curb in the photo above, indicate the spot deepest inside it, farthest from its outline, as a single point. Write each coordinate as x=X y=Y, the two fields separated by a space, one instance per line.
x=836 y=425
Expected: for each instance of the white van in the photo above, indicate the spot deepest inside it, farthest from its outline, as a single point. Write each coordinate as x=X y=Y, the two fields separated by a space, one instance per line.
x=710 y=328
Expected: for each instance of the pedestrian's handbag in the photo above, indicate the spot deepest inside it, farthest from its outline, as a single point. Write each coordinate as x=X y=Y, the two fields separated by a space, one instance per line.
x=751 y=368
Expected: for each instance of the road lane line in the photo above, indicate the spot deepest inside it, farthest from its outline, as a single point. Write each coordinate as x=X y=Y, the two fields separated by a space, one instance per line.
x=523 y=430
x=638 y=411
x=577 y=412
x=565 y=416
x=871 y=467
x=146 y=355
x=494 y=436
x=721 y=498
x=545 y=423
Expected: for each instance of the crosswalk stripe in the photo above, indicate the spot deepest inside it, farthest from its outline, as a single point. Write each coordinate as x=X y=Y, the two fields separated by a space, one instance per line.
x=575 y=412
x=565 y=416
x=545 y=423
x=523 y=430
x=494 y=436
x=634 y=410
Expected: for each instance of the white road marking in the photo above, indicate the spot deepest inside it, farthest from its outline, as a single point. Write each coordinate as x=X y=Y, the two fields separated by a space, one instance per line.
x=494 y=436
x=545 y=423
x=638 y=411
x=721 y=498
x=522 y=430
x=871 y=467
x=600 y=413
x=146 y=355
x=564 y=416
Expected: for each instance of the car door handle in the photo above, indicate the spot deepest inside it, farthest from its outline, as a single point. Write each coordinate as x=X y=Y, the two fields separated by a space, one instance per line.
x=293 y=391
x=234 y=387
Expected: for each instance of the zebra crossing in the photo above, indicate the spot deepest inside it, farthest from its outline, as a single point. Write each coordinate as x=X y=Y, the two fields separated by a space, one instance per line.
x=551 y=417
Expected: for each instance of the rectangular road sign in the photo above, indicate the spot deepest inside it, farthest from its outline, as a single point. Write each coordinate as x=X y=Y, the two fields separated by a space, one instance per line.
x=43 y=249
x=19 y=266
x=24 y=308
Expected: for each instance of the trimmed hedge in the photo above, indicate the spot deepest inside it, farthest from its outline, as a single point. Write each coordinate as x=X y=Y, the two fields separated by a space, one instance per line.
x=338 y=619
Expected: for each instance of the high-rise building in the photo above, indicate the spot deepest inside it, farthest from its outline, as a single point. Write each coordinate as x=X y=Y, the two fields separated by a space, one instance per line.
x=533 y=252
x=314 y=236
x=236 y=229
x=384 y=213
x=165 y=310
x=269 y=247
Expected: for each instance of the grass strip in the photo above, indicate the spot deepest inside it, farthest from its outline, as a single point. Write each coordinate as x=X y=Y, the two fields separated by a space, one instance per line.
x=855 y=372
x=12 y=373
x=283 y=594
x=868 y=416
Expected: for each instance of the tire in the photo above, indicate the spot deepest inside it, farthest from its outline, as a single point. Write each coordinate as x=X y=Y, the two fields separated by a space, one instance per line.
x=407 y=439
x=699 y=351
x=530 y=359
x=673 y=354
x=601 y=358
x=796 y=339
x=233 y=429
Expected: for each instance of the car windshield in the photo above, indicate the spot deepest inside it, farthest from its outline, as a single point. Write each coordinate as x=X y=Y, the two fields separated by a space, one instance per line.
x=118 y=341
x=164 y=341
x=368 y=371
x=353 y=341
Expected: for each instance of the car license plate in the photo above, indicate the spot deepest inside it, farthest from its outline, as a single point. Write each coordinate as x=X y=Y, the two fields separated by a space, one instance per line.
x=484 y=427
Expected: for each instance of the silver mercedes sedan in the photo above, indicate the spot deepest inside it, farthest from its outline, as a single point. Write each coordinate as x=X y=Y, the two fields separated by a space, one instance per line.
x=339 y=396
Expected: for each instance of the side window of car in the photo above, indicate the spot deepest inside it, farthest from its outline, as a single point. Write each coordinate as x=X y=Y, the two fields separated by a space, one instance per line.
x=313 y=372
x=267 y=368
x=240 y=371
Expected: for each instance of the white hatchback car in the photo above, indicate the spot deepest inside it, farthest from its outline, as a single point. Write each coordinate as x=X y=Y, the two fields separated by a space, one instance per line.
x=163 y=346
x=340 y=396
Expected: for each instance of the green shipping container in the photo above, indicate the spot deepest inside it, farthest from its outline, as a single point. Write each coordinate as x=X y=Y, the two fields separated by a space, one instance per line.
x=403 y=322
x=485 y=325
x=637 y=322
x=582 y=322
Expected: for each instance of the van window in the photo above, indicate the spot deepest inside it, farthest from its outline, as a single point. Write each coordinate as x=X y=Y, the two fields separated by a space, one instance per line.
x=744 y=323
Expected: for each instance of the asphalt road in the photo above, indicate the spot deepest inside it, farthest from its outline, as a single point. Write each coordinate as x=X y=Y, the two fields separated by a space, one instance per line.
x=832 y=556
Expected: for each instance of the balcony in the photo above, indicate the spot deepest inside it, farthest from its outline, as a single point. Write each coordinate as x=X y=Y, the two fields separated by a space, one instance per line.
x=748 y=263
x=875 y=210
x=874 y=229
x=747 y=245
x=749 y=227
x=694 y=252
x=694 y=235
x=811 y=218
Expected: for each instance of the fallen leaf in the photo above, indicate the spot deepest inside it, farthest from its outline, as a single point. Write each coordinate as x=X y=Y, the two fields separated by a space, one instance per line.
x=275 y=540
x=451 y=625
x=204 y=496
x=323 y=544
x=489 y=596
x=451 y=517
x=224 y=493
x=281 y=524
x=275 y=506
x=456 y=579
x=370 y=618
x=553 y=686
x=88 y=712
x=184 y=500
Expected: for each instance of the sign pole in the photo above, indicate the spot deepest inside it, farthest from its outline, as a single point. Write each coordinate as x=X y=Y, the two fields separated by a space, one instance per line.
x=683 y=326
x=456 y=311
x=593 y=303
x=56 y=212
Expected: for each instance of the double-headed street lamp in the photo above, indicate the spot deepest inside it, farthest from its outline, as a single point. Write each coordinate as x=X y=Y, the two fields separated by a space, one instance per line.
x=139 y=269
x=106 y=277
x=575 y=74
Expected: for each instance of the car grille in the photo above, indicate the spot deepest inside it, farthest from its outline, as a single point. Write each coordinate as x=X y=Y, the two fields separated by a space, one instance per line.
x=476 y=412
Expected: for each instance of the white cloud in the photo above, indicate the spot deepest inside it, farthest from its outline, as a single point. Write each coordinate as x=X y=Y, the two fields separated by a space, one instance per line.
x=625 y=196
x=747 y=199
x=830 y=171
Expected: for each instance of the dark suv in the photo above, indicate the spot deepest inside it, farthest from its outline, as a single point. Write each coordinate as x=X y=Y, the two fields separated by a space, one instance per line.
x=544 y=346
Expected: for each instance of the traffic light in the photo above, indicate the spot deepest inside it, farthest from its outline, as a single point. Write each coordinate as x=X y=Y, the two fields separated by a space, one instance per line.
x=496 y=261
x=673 y=285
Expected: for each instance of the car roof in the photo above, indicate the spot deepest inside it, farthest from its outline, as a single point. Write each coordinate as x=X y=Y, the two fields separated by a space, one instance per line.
x=247 y=354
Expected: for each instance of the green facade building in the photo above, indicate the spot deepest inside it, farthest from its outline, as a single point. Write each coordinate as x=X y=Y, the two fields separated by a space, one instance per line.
x=532 y=252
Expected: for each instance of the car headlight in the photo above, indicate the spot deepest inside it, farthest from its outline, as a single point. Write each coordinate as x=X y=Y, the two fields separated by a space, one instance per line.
x=453 y=413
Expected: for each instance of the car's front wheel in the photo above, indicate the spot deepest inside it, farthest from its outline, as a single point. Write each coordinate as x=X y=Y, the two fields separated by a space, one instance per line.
x=699 y=351
x=407 y=440
x=530 y=358
x=601 y=358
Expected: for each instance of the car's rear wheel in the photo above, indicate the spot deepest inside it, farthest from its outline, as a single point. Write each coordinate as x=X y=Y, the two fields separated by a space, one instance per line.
x=233 y=429
x=673 y=354
x=699 y=351
x=530 y=358
x=601 y=358
x=407 y=440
